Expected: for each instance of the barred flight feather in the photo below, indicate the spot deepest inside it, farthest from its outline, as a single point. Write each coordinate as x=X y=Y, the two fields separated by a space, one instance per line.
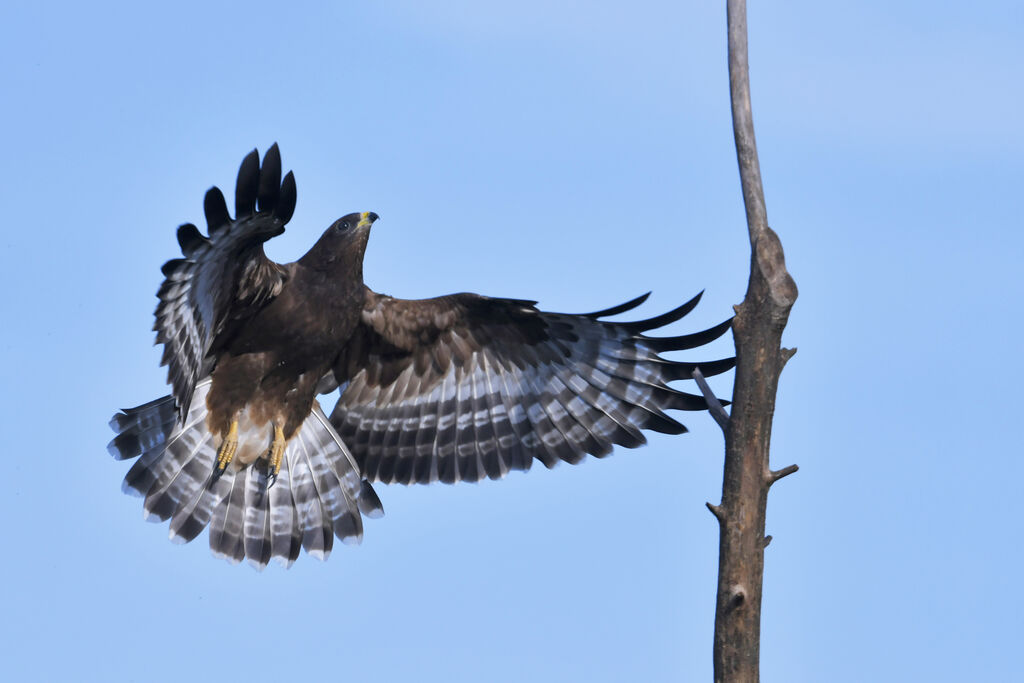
x=465 y=387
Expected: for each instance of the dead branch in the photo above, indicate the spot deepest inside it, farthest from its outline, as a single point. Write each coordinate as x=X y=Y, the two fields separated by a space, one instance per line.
x=757 y=331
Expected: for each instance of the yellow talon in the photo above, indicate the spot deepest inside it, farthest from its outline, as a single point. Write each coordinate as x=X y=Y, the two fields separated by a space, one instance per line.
x=227 y=449
x=276 y=453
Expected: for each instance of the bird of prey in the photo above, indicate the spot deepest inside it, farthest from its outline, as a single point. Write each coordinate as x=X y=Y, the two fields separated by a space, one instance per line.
x=455 y=388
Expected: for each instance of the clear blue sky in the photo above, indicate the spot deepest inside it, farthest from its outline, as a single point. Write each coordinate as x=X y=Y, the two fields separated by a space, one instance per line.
x=580 y=154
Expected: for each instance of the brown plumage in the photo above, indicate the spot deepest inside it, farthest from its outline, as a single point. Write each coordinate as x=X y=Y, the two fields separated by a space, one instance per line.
x=456 y=388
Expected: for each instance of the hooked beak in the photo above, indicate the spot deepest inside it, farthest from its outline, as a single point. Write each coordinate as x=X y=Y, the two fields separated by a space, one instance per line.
x=366 y=219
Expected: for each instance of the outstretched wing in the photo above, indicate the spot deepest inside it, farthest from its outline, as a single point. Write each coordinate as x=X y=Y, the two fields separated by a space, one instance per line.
x=225 y=277
x=464 y=387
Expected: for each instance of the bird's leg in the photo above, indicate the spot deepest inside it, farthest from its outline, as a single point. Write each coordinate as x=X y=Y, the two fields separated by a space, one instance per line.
x=275 y=454
x=227 y=449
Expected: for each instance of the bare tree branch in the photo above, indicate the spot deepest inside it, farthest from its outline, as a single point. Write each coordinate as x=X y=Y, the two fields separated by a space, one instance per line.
x=716 y=511
x=774 y=475
x=743 y=120
x=757 y=331
x=714 y=405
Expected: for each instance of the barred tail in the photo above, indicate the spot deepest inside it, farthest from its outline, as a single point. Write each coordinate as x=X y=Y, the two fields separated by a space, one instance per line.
x=319 y=493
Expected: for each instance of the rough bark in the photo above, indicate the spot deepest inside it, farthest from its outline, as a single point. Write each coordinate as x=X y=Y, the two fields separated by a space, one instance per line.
x=757 y=330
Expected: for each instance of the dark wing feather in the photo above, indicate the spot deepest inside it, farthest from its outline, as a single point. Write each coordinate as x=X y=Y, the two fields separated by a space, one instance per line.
x=225 y=277
x=464 y=387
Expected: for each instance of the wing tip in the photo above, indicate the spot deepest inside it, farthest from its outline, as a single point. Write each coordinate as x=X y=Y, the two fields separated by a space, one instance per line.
x=619 y=308
x=675 y=314
x=215 y=207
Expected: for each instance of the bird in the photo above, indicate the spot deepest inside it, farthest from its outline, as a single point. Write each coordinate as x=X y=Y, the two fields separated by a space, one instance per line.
x=454 y=388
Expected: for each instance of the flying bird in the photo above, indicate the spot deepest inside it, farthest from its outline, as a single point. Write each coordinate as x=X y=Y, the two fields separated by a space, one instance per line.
x=455 y=388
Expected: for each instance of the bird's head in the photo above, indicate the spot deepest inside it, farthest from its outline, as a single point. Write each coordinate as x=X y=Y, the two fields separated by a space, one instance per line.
x=352 y=225
x=344 y=243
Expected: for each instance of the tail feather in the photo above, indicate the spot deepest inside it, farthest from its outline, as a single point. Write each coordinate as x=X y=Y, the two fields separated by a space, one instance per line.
x=317 y=535
x=337 y=475
x=167 y=497
x=345 y=468
x=285 y=535
x=152 y=465
x=257 y=516
x=369 y=503
x=226 y=530
x=319 y=493
x=185 y=462
x=142 y=429
x=190 y=519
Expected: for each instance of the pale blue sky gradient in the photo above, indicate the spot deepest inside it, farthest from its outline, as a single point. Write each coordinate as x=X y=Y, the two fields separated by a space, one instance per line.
x=577 y=153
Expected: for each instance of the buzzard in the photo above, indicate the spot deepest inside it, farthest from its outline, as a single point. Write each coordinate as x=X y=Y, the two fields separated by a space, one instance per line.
x=455 y=388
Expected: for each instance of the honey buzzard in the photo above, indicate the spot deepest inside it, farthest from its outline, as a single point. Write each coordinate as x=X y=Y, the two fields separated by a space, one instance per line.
x=455 y=388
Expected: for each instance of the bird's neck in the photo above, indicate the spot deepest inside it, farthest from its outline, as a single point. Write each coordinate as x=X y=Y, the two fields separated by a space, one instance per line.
x=339 y=262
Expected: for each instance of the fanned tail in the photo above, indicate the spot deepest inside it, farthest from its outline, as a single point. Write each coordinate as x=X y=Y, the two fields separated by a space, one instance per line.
x=319 y=493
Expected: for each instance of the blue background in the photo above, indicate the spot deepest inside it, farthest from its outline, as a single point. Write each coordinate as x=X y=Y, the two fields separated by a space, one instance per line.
x=578 y=153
